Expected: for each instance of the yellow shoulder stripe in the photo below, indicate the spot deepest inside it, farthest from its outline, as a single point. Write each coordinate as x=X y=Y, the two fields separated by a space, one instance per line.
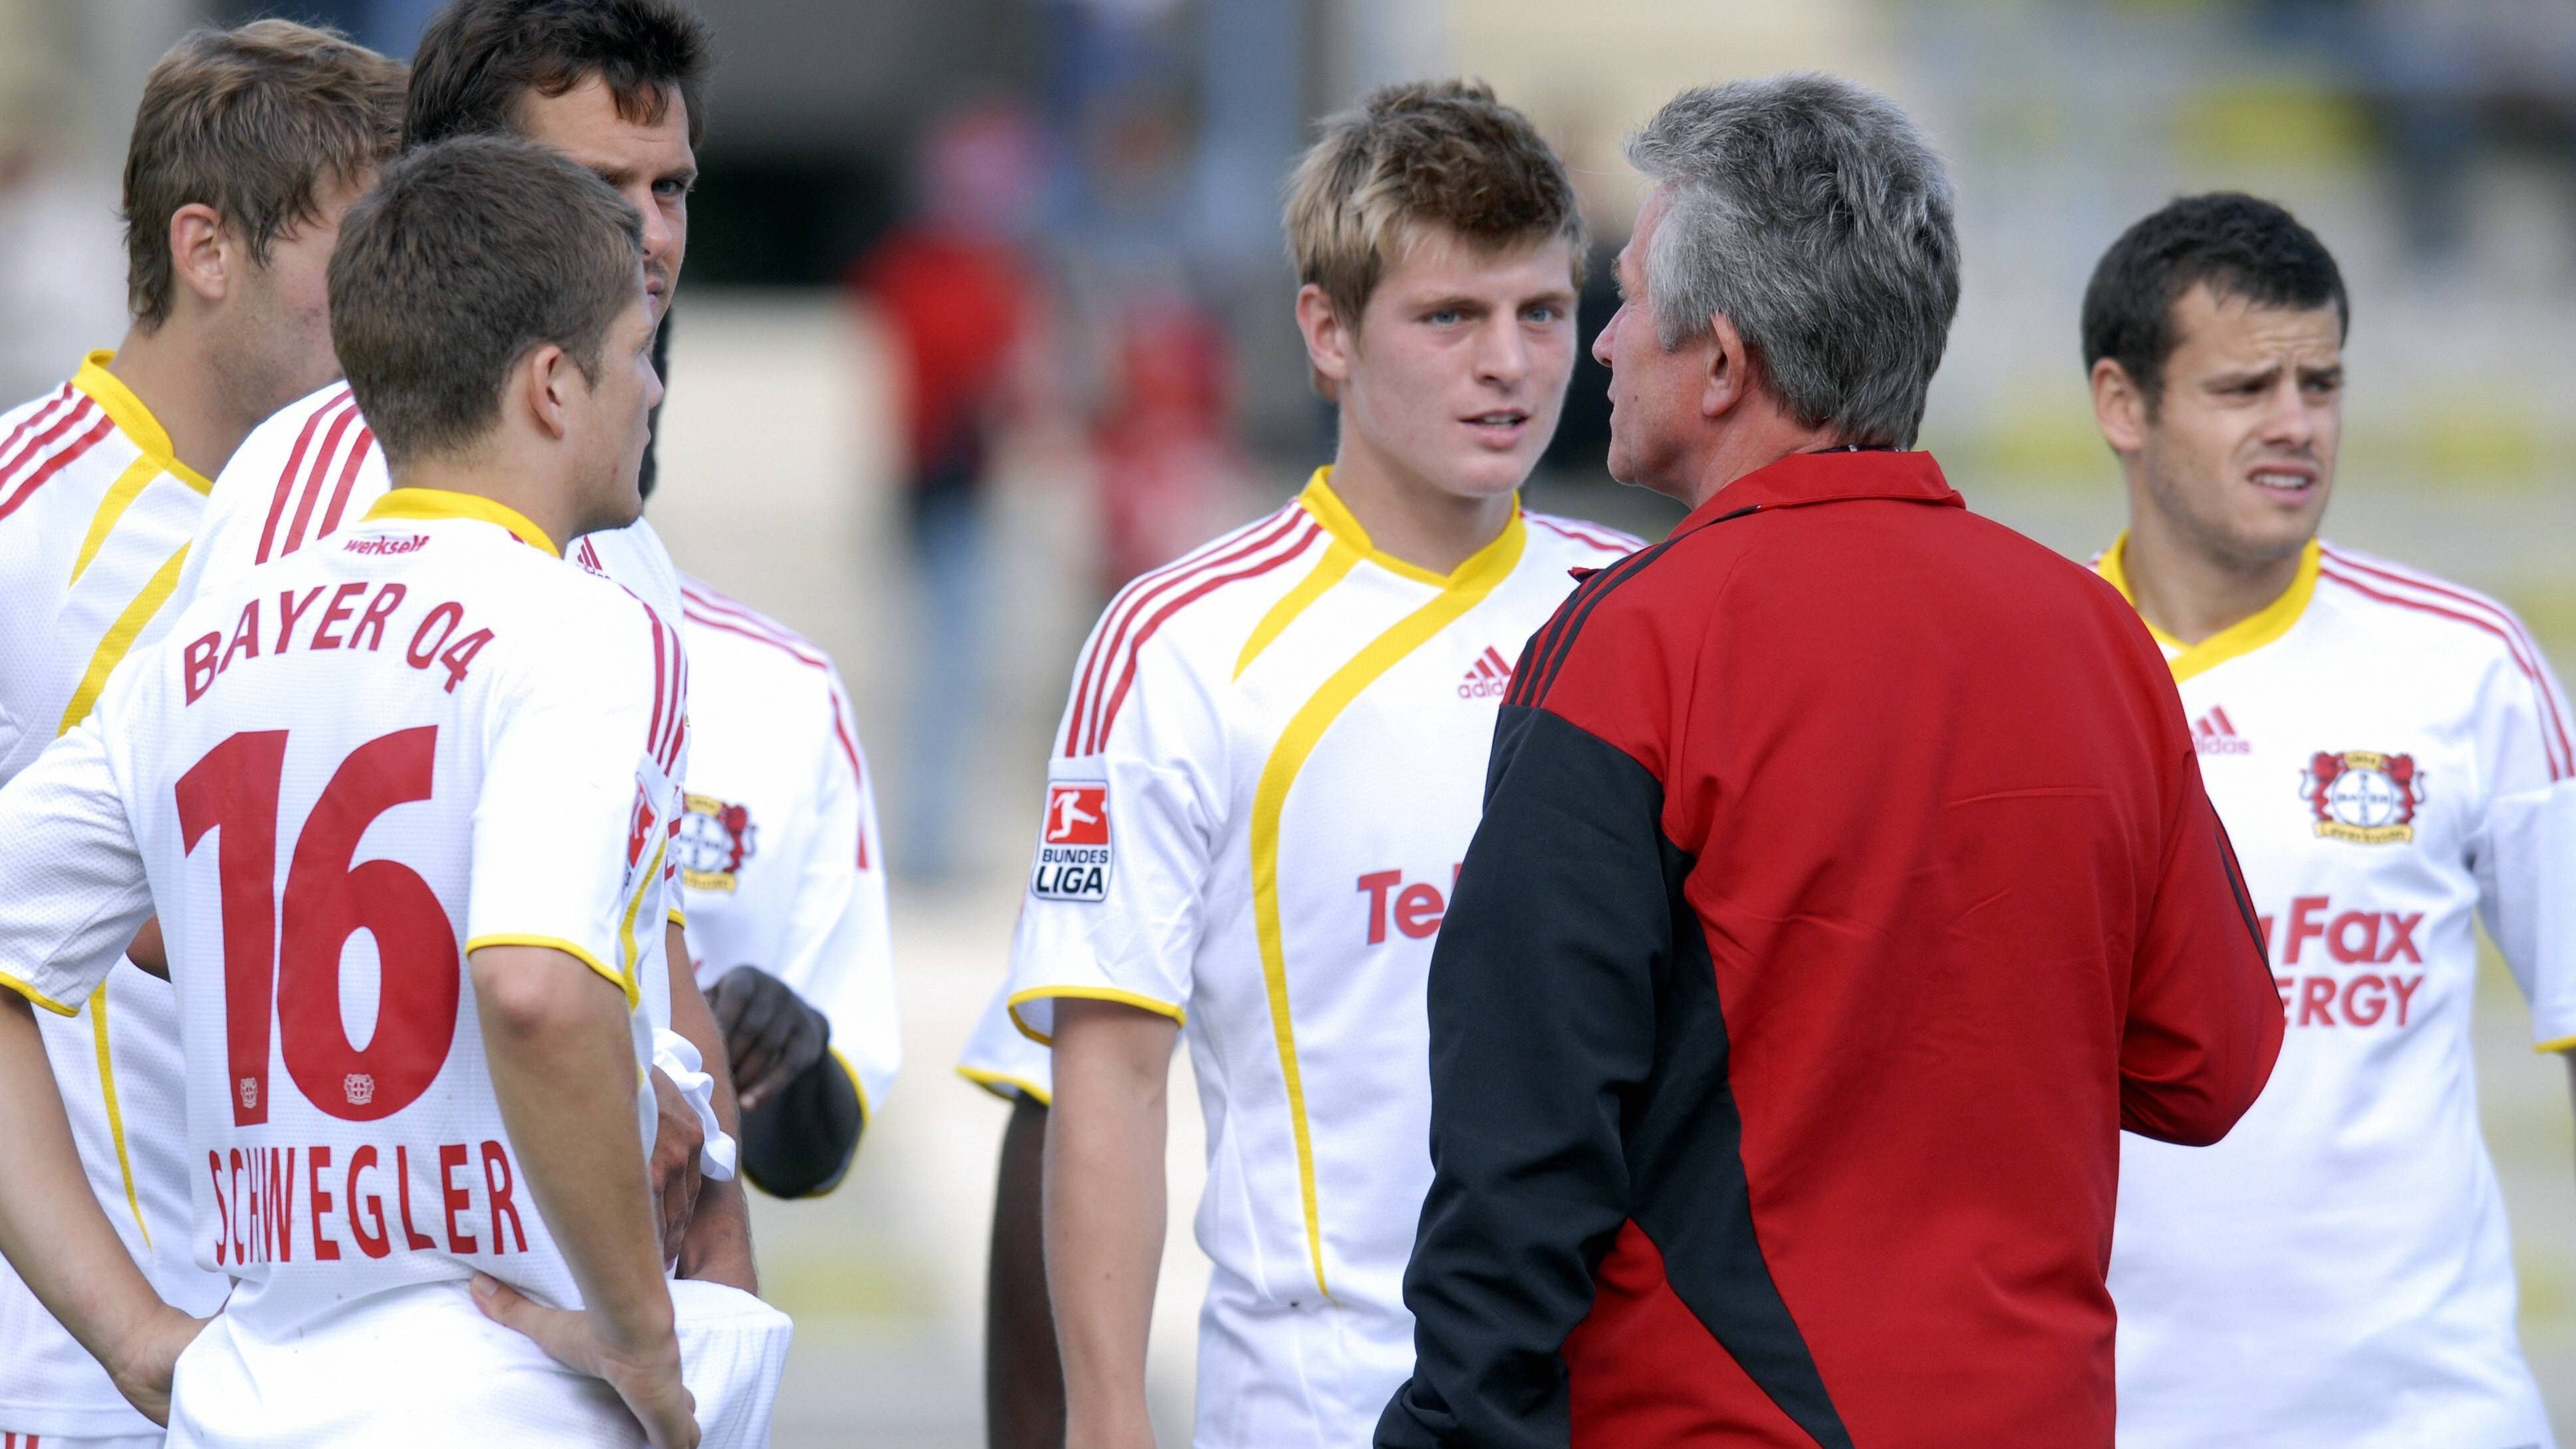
x=120 y=638
x=1461 y=591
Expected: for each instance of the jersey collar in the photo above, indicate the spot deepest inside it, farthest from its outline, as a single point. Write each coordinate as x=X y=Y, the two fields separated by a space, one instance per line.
x=2242 y=637
x=133 y=419
x=1482 y=568
x=1836 y=477
x=440 y=503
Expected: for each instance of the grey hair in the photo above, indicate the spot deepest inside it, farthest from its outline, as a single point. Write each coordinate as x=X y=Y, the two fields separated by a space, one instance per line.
x=1815 y=217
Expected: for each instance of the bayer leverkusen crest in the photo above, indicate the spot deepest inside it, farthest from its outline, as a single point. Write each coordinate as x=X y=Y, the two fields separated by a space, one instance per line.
x=2363 y=796
x=715 y=838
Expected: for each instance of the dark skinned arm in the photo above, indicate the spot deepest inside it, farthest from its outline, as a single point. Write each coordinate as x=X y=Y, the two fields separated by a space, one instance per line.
x=1023 y=1377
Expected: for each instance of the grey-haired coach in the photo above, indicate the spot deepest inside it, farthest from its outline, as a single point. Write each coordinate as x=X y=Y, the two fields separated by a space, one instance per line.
x=1845 y=884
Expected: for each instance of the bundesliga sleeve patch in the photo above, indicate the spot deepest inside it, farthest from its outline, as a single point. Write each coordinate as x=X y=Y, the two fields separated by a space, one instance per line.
x=1073 y=846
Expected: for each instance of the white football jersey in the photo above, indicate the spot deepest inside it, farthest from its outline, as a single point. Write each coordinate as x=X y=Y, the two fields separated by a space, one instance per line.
x=314 y=467
x=1272 y=764
x=1004 y=1060
x=340 y=776
x=96 y=514
x=778 y=855
x=2391 y=756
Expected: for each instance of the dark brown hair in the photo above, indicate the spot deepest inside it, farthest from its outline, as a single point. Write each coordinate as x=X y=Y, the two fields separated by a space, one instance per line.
x=480 y=57
x=2238 y=246
x=253 y=122
x=1424 y=154
x=468 y=255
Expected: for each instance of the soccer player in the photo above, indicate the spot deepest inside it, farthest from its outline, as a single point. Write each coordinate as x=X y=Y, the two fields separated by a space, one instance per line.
x=246 y=149
x=1023 y=1374
x=783 y=871
x=2392 y=757
x=1269 y=770
x=618 y=86
x=407 y=733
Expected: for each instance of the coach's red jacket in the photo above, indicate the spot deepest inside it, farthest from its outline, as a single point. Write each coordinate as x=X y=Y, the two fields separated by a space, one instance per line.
x=1845 y=886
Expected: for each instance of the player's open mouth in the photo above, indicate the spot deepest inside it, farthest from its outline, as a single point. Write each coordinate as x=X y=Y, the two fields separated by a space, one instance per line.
x=1501 y=426
x=2285 y=480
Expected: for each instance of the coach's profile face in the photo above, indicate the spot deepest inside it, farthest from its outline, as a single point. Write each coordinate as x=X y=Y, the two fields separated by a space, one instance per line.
x=2237 y=449
x=648 y=163
x=1659 y=398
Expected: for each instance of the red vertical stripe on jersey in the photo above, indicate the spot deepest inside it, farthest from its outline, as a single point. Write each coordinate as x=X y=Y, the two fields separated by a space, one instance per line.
x=858 y=775
x=2526 y=653
x=366 y=440
x=1127 y=675
x=2549 y=709
x=47 y=424
x=70 y=454
x=1132 y=603
x=312 y=484
x=43 y=416
x=286 y=480
x=661 y=678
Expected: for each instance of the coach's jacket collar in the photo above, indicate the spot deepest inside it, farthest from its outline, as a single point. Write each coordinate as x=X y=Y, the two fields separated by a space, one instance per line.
x=1804 y=478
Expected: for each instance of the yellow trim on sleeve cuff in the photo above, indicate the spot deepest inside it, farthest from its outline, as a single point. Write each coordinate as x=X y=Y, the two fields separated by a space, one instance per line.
x=38 y=997
x=679 y=918
x=1004 y=1085
x=1179 y=1016
x=2556 y=1044
x=557 y=943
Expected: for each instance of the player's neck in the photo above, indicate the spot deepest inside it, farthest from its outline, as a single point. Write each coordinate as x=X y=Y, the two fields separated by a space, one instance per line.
x=172 y=371
x=493 y=473
x=1759 y=434
x=2189 y=592
x=1410 y=518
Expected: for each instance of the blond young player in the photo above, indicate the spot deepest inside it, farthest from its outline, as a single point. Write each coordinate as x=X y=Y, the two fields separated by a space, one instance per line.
x=619 y=87
x=246 y=149
x=1271 y=765
x=2391 y=755
x=432 y=733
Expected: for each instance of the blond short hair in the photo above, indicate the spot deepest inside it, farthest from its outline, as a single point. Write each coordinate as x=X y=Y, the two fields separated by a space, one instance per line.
x=255 y=122
x=1414 y=157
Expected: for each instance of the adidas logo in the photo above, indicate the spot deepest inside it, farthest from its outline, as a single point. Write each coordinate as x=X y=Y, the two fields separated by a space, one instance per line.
x=1488 y=677
x=2213 y=734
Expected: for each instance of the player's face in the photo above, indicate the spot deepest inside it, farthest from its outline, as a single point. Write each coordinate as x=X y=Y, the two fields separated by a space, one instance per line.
x=617 y=422
x=650 y=165
x=1458 y=369
x=2240 y=454
x=277 y=342
x=1654 y=393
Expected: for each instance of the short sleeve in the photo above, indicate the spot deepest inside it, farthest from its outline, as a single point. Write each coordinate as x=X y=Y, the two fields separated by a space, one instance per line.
x=1002 y=1060
x=2522 y=848
x=839 y=948
x=76 y=891
x=1113 y=910
x=572 y=824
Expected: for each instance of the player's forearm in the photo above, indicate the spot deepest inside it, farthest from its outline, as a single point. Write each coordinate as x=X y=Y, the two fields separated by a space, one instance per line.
x=691 y=1018
x=51 y=1227
x=563 y=1069
x=717 y=1247
x=1023 y=1377
x=1104 y=1207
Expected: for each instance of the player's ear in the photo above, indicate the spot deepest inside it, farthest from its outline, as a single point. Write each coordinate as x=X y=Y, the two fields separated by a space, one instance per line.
x=545 y=377
x=1726 y=370
x=1329 y=341
x=206 y=258
x=2119 y=407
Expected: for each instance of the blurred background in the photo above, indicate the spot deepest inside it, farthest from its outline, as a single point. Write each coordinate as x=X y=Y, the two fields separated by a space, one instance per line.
x=1075 y=203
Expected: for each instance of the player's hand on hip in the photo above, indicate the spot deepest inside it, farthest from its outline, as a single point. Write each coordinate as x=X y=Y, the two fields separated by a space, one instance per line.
x=150 y=1357
x=771 y=1036
x=645 y=1376
x=675 y=1169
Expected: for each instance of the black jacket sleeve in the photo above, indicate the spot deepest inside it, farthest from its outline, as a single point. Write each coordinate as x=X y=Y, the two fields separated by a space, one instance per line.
x=1543 y=996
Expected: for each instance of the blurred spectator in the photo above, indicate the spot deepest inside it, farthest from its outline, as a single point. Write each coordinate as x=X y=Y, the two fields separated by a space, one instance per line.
x=955 y=288
x=62 y=257
x=1169 y=466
